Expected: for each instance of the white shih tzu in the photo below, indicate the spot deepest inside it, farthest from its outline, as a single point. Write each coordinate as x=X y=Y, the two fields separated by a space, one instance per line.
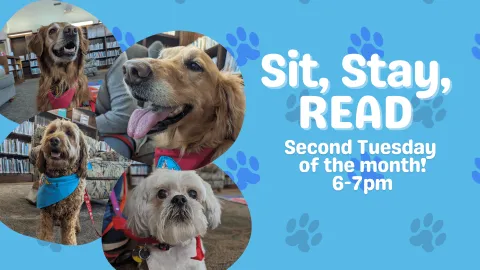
x=175 y=208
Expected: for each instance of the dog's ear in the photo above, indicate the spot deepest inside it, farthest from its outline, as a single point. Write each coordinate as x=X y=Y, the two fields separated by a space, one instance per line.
x=33 y=154
x=231 y=109
x=212 y=207
x=83 y=156
x=83 y=41
x=155 y=49
x=40 y=162
x=36 y=44
x=136 y=209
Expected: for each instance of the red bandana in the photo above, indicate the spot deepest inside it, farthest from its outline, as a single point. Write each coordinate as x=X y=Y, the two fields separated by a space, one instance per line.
x=189 y=161
x=63 y=101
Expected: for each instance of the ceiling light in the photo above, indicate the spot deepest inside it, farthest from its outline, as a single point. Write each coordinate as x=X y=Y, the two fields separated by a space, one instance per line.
x=85 y=23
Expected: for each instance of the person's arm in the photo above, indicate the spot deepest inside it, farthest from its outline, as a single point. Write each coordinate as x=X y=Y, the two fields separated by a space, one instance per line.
x=122 y=104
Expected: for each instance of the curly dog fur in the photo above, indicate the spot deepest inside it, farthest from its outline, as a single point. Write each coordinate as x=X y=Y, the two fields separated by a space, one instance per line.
x=72 y=152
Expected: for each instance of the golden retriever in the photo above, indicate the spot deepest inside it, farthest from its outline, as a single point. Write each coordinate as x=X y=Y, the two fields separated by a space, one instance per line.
x=192 y=104
x=60 y=48
x=63 y=152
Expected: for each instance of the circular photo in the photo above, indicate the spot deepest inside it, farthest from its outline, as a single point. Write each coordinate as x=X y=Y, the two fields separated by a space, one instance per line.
x=171 y=219
x=52 y=56
x=175 y=98
x=56 y=177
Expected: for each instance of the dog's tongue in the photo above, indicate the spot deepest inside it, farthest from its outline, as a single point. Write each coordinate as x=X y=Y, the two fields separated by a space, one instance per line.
x=143 y=120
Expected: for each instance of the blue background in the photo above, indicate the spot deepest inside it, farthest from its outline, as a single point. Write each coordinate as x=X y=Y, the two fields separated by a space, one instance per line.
x=358 y=231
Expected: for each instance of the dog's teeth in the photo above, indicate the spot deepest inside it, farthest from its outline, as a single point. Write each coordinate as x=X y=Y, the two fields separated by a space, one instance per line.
x=70 y=50
x=55 y=155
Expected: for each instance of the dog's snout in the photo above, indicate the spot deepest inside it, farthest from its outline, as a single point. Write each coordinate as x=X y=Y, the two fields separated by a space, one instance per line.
x=136 y=72
x=179 y=200
x=70 y=30
x=54 y=141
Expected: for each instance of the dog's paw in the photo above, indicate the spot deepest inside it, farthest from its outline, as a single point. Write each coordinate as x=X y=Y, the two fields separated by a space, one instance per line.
x=301 y=236
x=241 y=172
x=129 y=39
x=366 y=44
x=428 y=236
x=241 y=48
x=428 y=112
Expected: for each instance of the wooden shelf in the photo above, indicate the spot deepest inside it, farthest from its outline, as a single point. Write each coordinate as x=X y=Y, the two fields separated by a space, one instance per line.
x=16 y=177
x=19 y=136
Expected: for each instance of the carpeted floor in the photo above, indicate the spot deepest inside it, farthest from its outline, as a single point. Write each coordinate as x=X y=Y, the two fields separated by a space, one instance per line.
x=22 y=217
x=225 y=244
x=23 y=105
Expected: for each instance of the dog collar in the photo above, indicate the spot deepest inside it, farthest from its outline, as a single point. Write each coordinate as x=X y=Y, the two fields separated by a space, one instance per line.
x=56 y=189
x=172 y=159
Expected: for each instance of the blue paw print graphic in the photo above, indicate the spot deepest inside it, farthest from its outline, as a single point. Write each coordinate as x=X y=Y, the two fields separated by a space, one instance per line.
x=428 y=113
x=302 y=236
x=428 y=1
x=365 y=44
x=241 y=172
x=53 y=246
x=476 y=174
x=242 y=49
x=293 y=106
x=427 y=236
x=365 y=174
x=180 y=1
x=129 y=39
x=476 y=48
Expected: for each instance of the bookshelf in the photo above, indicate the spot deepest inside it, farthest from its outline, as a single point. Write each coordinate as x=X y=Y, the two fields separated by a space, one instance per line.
x=14 y=163
x=137 y=172
x=103 y=47
x=13 y=64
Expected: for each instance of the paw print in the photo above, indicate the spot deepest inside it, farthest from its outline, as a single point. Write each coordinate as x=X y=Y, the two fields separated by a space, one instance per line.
x=293 y=106
x=365 y=174
x=245 y=174
x=476 y=49
x=476 y=174
x=364 y=45
x=304 y=1
x=180 y=1
x=428 y=1
x=428 y=236
x=129 y=39
x=53 y=246
x=303 y=237
x=244 y=50
x=429 y=112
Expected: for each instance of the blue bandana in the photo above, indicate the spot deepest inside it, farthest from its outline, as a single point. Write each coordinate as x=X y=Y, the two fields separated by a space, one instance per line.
x=56 y=189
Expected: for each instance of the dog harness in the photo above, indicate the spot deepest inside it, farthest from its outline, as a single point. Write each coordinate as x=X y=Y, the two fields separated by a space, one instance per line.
x=172 y=159
x=64 y=100
x=56 y=189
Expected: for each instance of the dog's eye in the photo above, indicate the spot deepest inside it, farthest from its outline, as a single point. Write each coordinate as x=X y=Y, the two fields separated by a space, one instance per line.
x=193 y=66
x=51 y=131
x=69 y=133
x=162 y=194
x=192 y=193
x=52 y=31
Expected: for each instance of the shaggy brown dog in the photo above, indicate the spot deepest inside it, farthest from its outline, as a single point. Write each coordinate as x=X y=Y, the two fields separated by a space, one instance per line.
x=63 y=151
x=193 y=104
x=60 y=50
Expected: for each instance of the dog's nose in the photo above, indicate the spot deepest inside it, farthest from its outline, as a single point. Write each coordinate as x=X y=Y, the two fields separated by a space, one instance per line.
x=70 y=30
x=54 y=141
x=136 y=72
x=179 y=200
